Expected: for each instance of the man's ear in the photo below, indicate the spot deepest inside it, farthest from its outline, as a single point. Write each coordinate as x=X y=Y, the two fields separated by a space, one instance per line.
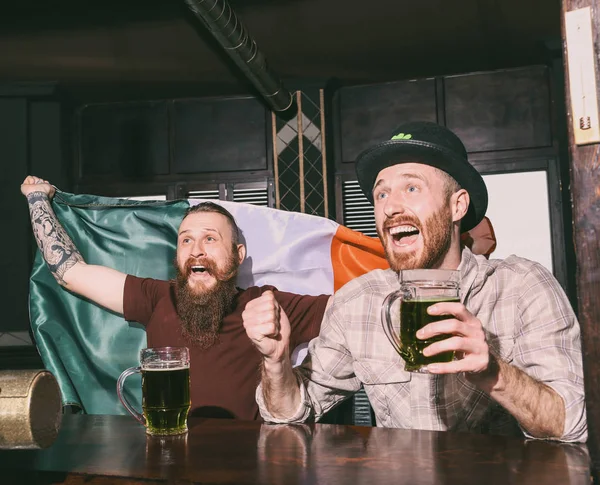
x=459 y=204
x=241 y=252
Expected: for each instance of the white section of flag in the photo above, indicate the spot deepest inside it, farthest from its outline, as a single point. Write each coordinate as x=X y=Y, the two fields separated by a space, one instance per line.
x=289 y=250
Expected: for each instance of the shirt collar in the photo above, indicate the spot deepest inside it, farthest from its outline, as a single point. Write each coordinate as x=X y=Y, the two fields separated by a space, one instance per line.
x=473 y=273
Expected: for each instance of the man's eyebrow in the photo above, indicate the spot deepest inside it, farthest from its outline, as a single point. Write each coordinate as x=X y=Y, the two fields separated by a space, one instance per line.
x=204 y=229
x=414 y=175
x=378 y=183
x=406 y=175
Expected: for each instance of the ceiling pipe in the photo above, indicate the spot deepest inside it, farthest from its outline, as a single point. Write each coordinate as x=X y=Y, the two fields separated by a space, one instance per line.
x=222 y=22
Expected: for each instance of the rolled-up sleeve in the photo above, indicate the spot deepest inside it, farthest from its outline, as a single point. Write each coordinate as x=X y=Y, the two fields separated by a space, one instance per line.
x=548 y=346
x=301 y=415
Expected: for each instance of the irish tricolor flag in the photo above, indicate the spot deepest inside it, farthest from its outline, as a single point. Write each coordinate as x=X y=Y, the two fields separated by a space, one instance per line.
x=301 y=253
x=87 y=347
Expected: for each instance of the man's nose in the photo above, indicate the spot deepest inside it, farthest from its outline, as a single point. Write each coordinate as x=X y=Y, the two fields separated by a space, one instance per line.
x=198 y=249
x=394 y=205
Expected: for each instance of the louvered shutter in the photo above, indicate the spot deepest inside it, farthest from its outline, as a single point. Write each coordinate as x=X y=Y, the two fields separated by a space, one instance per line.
x=211 y=194
x=251 y=195
x=358 y=211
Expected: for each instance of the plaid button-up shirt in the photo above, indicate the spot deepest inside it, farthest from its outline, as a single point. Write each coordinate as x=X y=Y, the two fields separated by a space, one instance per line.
x=528 y=322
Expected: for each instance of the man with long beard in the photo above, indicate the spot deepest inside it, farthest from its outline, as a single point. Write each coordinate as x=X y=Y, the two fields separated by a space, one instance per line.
x=518 y=363
x=200 y=310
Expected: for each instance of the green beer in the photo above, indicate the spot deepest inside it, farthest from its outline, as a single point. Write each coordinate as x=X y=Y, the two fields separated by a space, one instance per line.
x=166 y=399
x=414 y=316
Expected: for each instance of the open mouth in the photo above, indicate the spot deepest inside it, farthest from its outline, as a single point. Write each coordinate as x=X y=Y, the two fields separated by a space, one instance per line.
x=404 y=235
x=199 y=271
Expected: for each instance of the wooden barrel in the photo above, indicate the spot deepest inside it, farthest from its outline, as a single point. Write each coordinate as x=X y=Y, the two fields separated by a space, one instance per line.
x=30 y=409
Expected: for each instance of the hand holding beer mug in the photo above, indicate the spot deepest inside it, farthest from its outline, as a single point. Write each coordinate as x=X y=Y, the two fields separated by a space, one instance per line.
x=165 y=390
x=419 y=289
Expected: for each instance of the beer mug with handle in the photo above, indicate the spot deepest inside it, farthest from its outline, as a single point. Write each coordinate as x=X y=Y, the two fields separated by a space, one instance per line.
x=165 y=390
x=419 y=289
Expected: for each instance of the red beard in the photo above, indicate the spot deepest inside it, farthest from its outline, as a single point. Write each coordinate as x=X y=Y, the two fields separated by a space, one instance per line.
x=202 y=311
x=437 y=237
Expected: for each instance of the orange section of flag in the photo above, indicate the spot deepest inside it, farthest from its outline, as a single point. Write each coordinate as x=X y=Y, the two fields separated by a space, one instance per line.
x=481 y=239
x=354 y=254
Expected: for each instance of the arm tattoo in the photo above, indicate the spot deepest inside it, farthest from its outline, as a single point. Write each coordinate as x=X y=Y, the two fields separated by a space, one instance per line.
x=56 y=246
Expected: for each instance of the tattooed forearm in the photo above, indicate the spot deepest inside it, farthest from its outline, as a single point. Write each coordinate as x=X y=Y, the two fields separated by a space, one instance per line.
x=56 y=246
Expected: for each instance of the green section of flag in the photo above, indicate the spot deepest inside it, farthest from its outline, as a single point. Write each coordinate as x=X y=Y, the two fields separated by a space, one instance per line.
x=83 y=345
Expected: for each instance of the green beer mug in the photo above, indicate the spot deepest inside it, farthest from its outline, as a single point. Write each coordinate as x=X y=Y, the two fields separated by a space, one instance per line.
x=419 y=289
x=165 y=390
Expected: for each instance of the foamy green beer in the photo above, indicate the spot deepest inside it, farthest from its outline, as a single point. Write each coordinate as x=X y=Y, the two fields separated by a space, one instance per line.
x=419 y=289
x=414 y=316
x=166 y=399
x=165 y=390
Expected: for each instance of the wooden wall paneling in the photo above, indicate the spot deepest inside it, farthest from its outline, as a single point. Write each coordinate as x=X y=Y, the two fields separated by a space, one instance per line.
x=15 y=247
x=367 y=114
x=219 y=135
x=124 y=140
x=557 y=225
x=500 y=110
x=561 y=141
x=508 y=156
x=47 y=158
x=339 y=202
x=171 y=135
x=585 y=190
x=200 y=140
x=440 y=100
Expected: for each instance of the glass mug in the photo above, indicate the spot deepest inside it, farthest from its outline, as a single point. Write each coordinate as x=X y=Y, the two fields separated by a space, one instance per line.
x=419 y=289
x=165 y=390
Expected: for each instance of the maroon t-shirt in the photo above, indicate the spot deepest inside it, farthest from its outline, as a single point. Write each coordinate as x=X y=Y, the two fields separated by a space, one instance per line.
x=223 y=377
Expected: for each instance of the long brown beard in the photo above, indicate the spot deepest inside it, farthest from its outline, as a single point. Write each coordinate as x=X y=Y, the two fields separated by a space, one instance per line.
x=202 y=313
x=437 y=238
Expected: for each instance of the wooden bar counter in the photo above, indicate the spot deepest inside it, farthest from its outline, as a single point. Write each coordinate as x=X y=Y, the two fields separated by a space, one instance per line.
x=116 y=450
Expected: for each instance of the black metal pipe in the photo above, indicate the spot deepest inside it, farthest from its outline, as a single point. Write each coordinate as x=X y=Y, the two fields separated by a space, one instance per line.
x=222 y=22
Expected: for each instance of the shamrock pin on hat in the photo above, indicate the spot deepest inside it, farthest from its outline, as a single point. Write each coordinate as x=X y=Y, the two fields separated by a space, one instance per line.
x=433 y=145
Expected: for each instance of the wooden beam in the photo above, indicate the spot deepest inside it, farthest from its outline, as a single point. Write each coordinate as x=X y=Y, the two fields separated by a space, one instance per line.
x=585 y=190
